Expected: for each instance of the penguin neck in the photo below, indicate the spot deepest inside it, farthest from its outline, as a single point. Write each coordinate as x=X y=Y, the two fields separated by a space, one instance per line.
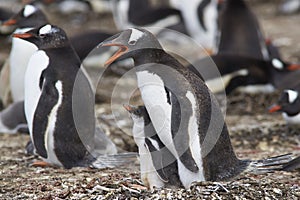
x=158 y=56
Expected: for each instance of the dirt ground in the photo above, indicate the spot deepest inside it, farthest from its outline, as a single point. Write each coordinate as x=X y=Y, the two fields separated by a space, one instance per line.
x=255 y=134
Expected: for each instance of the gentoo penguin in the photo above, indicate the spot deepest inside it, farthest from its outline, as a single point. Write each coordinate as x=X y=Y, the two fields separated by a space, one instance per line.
x=292 y=165
x=28 y=18
x=59 y=101
x=245 y=73
x=135 y=13
x=289 y=105
x=184 y=113
x=157 y=169
x=201 y=19
x=239 y=31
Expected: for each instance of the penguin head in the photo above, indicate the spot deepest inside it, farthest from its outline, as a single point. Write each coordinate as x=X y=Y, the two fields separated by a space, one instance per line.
x=136 y=112
x=129 y=42
x=289 y=103
x=44 y=37
x=29 y=16
x=280 y=65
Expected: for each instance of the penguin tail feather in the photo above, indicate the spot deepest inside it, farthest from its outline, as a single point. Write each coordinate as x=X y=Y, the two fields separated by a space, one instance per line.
x=269 y=164
x=114 y=160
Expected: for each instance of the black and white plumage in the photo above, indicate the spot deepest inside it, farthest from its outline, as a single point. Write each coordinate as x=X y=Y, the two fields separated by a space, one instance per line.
x=134 y=13
x=28 y=18
x=59 y=102
x=183 y=112
x=201 y=20
x=239 y=31
x=157 y=169
x=289 y=105
x=247 y=74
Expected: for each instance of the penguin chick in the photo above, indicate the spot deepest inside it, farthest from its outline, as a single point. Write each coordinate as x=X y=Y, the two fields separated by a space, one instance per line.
x=289 y=105
x=158 y=166
x=184 y=113
x=59 y=101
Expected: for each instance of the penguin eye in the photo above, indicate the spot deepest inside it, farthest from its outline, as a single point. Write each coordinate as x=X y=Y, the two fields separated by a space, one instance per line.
x=42 y=35
x=132 y=42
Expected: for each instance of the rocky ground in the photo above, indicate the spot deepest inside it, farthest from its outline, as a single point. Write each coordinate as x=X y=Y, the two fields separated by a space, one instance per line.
x=255 y=134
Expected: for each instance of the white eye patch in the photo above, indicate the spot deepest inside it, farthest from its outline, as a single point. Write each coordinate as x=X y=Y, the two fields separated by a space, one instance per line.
x=135 y=35
x=277 y=63
x=46 y=29
x=29 y=10
x=292 y=95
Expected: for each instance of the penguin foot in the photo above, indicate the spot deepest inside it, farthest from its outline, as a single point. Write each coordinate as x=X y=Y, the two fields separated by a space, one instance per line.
x=41 y=164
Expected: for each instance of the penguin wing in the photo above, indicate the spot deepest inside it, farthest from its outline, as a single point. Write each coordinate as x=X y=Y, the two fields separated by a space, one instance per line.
x=157 y=157
x=48 y=100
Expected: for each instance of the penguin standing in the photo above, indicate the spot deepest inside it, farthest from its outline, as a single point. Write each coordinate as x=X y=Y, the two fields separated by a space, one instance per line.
x=184 y=113
x=201 y=19
x=239 y=31
x=28 y=18
x=59 y=101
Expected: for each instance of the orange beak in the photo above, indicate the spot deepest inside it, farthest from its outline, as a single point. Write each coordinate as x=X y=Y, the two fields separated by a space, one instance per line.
x=10 y=22
x=122 y=49
x=127 y=107
x=274 y=108
x=293 y=67
x=22 y=35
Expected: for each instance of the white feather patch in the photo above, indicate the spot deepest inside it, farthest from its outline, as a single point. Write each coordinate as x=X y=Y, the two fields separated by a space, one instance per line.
x=46 y=29
x=155 y=99
x=217 y=85
x=37 y=63
x=29 y=10
x=294 y=120
x=293 y=95
x=277 y=63
x=148 y=172
x=135 y=35
x=20 y=54
x=186 y=176
x=49 y=133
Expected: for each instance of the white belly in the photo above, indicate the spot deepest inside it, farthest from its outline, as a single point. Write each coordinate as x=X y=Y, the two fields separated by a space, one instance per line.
x=295 y=120
x=19 y=58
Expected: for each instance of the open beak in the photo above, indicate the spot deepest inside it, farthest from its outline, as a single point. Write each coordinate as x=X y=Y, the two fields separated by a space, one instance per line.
x=274 y=108
x=122 y=50
x=22 y=35
x=293 y=67
x=128 y=108
x=117 y=42
x=10 y=22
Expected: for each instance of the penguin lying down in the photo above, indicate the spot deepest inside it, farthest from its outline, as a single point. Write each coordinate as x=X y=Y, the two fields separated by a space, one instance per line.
x=59 y=106
x=181 y=132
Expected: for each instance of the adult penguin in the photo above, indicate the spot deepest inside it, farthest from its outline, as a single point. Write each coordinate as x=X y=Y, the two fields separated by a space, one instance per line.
x=184 y=113
x=239 y=31
x=59 y=102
